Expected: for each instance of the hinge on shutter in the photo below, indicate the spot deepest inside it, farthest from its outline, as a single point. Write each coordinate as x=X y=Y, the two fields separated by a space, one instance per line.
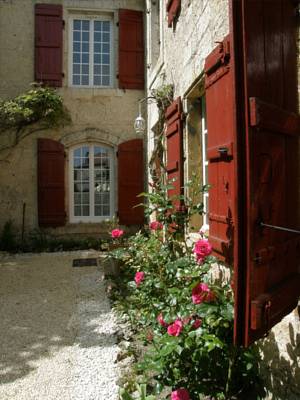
x=63 y=23
x=63 y=74
x=117 y=154
x=117 y=76
x=117 y=24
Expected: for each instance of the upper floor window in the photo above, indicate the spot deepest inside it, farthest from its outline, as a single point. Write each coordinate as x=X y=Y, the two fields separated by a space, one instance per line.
x=91 y=52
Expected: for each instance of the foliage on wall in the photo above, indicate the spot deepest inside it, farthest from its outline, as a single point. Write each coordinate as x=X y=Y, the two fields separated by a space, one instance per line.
x=41 y=105
x=163 y=96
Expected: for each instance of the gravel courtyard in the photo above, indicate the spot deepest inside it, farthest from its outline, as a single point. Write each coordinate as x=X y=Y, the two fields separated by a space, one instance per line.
x=56 y=330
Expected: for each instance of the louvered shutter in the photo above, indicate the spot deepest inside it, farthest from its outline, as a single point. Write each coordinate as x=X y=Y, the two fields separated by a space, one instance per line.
x=220 y=150
x=48 y=44
x=173 y=9
x=267 y=270
x=51 y=183
x=175 y=150
x=130 y=182
x=131 y=50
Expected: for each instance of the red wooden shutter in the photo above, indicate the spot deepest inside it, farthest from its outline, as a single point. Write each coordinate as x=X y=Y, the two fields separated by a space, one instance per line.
x=267 y=270
x=51 y=183
x=131 y=50
x=175 y=149
x=173 y=9
x=130 y=182
x=220 y=151
x=48 y=44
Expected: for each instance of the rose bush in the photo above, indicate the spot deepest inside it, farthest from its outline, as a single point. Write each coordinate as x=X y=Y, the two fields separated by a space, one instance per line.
x=169 y=291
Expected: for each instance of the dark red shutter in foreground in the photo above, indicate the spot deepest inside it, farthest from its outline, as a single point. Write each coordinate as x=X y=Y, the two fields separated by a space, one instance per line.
x=48 y=44
x=253 y=151
x=51 y=183
x=175 y=149
x=221 y=150
x=173 y=8
x=130 y=182
x=131 y=50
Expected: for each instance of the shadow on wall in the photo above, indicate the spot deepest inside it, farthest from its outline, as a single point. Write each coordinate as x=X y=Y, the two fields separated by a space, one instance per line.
x=280 y=368
x=48 y=307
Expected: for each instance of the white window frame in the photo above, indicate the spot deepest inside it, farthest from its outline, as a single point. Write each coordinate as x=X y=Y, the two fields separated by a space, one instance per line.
x=91 y=217
x=204 y=134
x=92 y=18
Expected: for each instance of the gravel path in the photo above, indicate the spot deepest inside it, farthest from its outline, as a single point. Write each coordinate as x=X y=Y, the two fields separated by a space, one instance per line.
x=56 y=330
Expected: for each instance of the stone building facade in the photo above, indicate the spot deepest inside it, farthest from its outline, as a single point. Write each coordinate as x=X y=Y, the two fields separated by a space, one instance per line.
x=178 y=46
x=102 y=112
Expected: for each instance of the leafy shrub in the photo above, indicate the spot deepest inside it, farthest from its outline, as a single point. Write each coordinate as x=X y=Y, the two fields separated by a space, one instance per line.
x=40 y=104
x=169 y=295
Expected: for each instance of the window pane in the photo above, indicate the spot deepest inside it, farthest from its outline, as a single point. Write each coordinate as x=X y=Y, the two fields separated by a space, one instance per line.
x=105 y=58
x=97 y=25
x=77 y=187
x=85 y=198
x=105 y=37
x=76 y=58
x=76 y=68
x=85 y=175
x=77 y=211
x=77 y=199
x=85 y=47
x=105 y=48
x=98 y=211
x=76 y=25
x=97 y=36
x=106 y=26
x=76 y=46
x=106 y=211
x=77 y=161
x=85 y=25
x=97 y=80
x=85 y=187
x=85 y=58
x=97 y=58
x=85 y=211
x=105 y=80
x=105 y=69
x=85 y=36
x=85 y=80
x=97 y=47
x=85 y=152
x=85 y=69
x=76 y=36
x=97 y=69
x=76 y=79
x=77 y=175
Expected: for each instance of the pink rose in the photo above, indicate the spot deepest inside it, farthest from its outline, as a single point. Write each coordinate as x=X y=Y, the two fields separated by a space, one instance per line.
x=175 y=328
x=155 y=226
x=197 y=323
x=161 y=321
x=202 y=293
x=180 y=394
x=202 y=249
x=116 y=233
x=139 y=277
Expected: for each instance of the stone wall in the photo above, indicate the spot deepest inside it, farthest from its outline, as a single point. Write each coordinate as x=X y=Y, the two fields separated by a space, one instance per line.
x=101 y=115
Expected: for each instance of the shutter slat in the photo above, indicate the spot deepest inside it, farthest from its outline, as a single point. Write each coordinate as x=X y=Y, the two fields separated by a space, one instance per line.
x=131 y=50
x=48 y=44
x=130 y=182
x=51 y=183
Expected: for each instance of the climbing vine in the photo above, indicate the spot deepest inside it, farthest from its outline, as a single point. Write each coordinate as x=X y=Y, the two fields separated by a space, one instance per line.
x=39 y=104
x=163 y=97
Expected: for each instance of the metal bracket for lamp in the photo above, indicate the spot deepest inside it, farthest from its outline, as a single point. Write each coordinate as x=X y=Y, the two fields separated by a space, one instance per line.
x=140 y=123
